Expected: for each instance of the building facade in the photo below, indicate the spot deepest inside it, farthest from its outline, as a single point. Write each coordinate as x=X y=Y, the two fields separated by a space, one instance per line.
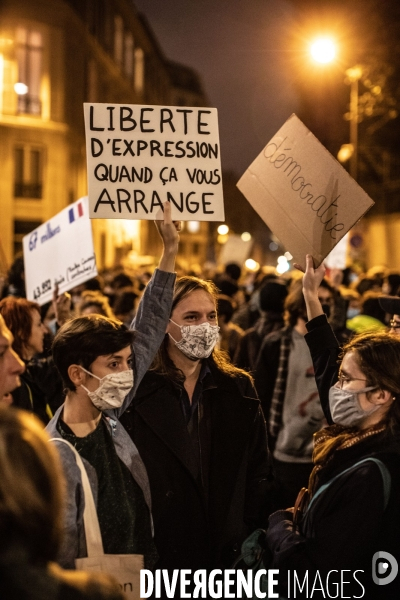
x=54 y=56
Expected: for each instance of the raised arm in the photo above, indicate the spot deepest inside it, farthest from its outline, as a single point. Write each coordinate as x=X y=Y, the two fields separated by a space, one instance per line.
x=169 y=232
x=311 y=282
x=321 y=340
x=154 y=309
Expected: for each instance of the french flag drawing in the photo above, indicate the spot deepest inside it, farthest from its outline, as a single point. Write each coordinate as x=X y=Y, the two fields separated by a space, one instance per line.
x=75 y=212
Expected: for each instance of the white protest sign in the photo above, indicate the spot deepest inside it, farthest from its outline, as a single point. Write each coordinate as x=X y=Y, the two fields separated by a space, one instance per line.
x=59 y=251
x=235 y=250
x=302 y=193
x=140 y=156
x=337 y=258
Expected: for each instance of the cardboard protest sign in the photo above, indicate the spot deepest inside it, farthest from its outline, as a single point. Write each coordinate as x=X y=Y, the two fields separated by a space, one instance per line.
x=302 y=193
x=59 y=251
x=140 y=156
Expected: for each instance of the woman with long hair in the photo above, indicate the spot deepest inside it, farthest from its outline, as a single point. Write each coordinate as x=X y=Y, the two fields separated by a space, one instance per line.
x=31 y=519
x=200 y=431
x=345 y=530
x=41 y=389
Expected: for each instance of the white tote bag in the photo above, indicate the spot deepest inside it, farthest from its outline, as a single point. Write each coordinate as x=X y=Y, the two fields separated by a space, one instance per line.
x=125 y=568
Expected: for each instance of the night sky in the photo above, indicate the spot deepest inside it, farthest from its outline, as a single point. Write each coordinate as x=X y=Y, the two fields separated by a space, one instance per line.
x=238 y=48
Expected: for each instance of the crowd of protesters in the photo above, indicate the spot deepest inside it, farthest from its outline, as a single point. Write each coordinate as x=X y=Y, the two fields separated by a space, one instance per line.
x=200 y=409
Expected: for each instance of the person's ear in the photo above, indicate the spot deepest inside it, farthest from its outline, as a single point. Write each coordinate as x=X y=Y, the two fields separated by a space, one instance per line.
x=76 y=375
x=383 y=397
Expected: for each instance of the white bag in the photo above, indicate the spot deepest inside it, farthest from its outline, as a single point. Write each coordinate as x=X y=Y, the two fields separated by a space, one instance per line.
x=125 y=568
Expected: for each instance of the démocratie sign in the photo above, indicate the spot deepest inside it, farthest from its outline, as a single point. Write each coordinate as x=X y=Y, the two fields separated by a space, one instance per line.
x=140 y=156
x=302 y=193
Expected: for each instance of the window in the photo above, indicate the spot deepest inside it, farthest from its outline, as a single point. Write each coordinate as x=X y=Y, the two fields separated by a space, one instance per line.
x=22 y=228
x=128 y=55
x=29 y=48
x=139 y=70
x=92 y=82
x=28 y=178
x=118 y=39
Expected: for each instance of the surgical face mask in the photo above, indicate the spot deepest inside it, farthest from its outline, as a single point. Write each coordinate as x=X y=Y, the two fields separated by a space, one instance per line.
x=345 y=406
x=352 y=312
x=112 y=390
x=197 y=341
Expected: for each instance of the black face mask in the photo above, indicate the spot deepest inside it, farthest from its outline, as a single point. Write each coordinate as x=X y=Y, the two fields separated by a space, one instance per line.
x=327 y=310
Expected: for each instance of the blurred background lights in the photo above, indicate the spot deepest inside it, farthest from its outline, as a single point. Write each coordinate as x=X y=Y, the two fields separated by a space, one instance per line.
x=288 y=256
x=246 y=236
x=193 y=226
x=21 y=89
x=223 y=229
x=323 y=50
x=273 y=246
x=251 y=265
x=283 y=265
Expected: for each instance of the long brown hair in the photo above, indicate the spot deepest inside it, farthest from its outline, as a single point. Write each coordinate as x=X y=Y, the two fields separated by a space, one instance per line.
x=163 y=364
x=378 y=356
x=31 y=488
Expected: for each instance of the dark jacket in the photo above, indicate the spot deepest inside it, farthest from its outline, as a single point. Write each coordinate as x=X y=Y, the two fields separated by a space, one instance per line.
x=267 y=370
x=41 y=390
x=348 y=523
x=202 y=526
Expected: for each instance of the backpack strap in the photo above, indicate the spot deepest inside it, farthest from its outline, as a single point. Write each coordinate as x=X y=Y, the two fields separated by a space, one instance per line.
x=386 y=479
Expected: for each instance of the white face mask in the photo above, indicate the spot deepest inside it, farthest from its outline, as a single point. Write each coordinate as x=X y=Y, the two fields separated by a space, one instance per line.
x=345 y=406
x=197 y=341
x=112 y=390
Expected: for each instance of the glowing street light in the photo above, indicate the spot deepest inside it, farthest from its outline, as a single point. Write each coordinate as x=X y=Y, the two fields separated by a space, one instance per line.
x=223 y=229
x=21 y=89
x=323 y=50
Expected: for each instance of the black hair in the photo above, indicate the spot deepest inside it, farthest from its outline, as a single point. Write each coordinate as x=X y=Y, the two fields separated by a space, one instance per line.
x=225 y=307
x=82 y=340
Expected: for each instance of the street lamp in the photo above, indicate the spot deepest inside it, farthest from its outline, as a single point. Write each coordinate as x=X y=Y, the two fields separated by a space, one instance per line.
x=323 y=51
x=353 y=77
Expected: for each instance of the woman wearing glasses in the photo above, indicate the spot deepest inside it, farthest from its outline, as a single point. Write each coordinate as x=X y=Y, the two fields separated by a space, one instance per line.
x=344 y=537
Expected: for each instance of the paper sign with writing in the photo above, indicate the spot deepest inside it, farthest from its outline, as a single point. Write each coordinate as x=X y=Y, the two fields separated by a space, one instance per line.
x=235 y=250
x=302 y=193
x=59 y=251
x=140 y=156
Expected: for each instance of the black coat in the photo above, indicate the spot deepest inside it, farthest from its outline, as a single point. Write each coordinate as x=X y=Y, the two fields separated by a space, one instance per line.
x=193 y=528
x=41 y=389
x=348 y=523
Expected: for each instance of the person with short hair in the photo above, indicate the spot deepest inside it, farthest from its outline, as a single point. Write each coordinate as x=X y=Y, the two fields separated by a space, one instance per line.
x=101 y=363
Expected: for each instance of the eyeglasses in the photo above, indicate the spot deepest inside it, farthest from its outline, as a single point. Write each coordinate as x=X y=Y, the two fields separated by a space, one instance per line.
x=395 y=324
x=346 y=379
